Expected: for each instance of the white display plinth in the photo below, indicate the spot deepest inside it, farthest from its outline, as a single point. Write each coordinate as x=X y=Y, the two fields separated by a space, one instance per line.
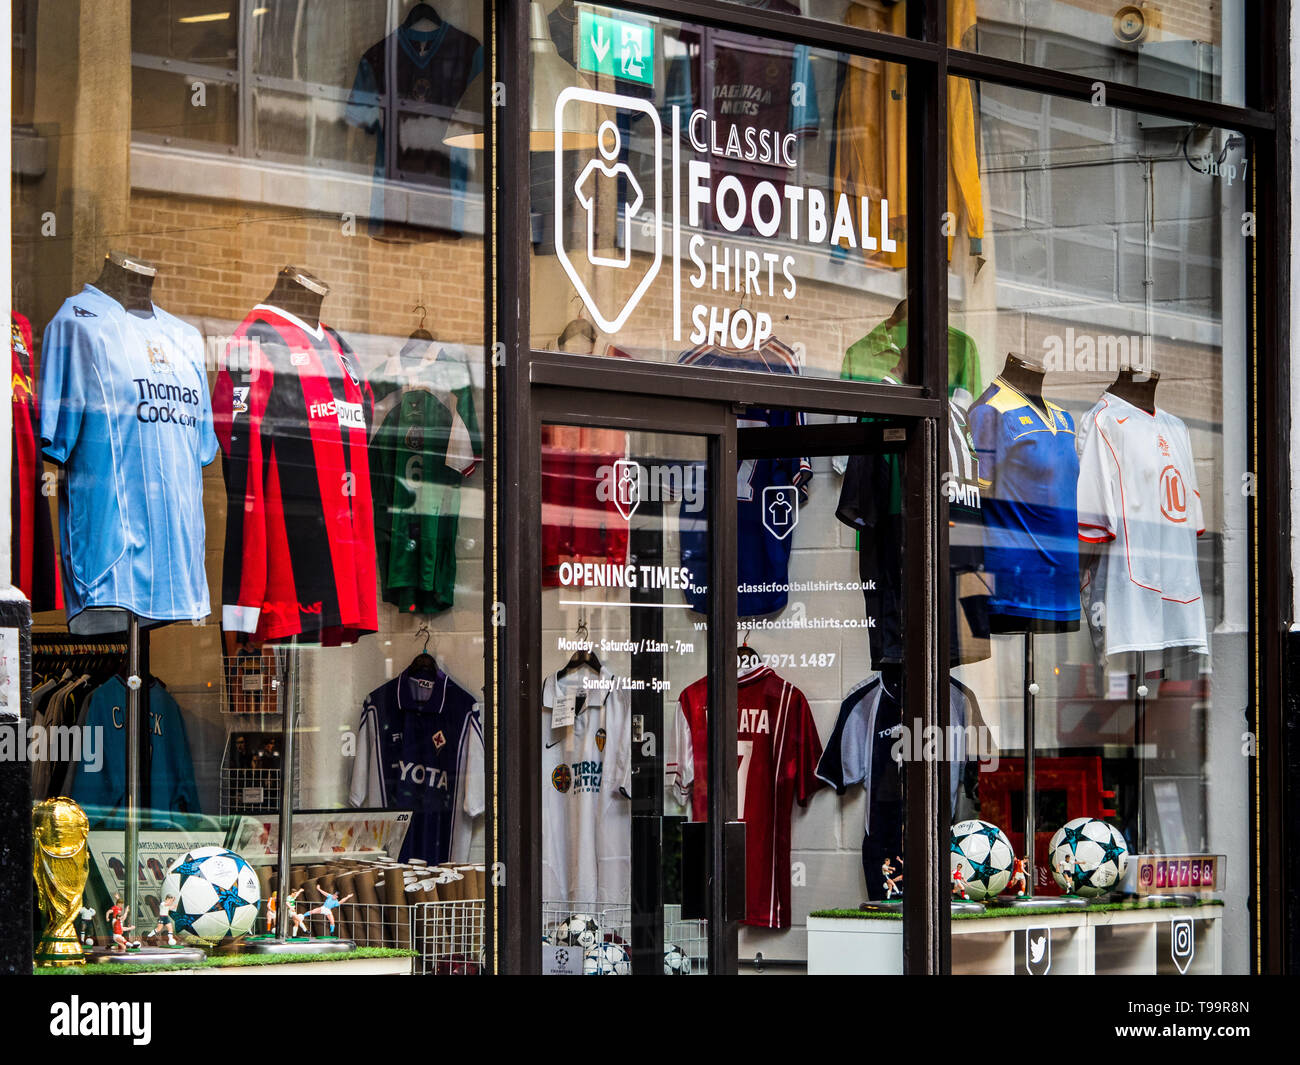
x=1083 y=943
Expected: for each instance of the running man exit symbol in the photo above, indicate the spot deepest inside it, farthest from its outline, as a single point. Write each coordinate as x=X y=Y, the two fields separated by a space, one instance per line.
x=619 y=48
x=780 y=509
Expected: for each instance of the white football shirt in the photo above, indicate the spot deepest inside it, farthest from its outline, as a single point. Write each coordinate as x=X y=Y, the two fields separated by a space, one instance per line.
x=1138 y=496
x=586 y=791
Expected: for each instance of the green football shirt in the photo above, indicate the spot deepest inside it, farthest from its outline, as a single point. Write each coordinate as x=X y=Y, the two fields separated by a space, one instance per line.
x=426 y=445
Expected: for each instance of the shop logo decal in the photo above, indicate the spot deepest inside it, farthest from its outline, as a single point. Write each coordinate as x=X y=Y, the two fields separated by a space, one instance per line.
x=780 y=509
x=606 y=171
x=1038 y=951
x=1182 y=943
x=627 y=487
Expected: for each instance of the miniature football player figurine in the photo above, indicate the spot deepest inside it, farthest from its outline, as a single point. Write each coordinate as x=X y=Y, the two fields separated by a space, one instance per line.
x=117 y=909
x=1019 y=878
x=270 y=915
x=296 y=922
x=120 y=942
x=959 y=883
x=1066 y=871
x=165 y=922
x=86 y=925
x=892 y=877
x=327 y=908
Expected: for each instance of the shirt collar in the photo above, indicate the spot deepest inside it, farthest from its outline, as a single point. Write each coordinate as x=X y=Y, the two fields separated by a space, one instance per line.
x=595 y=696
x=317 y=331
x=407 y=702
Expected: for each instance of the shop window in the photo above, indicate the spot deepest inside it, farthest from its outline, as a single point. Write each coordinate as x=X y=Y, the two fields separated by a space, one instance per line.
x=249 y=343
x=1110 y=438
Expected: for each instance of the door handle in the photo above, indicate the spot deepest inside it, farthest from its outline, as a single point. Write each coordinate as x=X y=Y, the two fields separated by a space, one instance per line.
x=696 y=866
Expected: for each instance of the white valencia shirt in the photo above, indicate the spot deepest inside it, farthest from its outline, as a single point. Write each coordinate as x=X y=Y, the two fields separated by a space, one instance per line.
x=586 y=791
x=1138 y=496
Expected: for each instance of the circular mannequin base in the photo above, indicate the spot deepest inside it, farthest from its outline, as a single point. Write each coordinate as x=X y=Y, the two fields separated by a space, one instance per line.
x=962 y=906
x=884 y=906
x=298 y=946
x=146 y=955
x=1046 y=902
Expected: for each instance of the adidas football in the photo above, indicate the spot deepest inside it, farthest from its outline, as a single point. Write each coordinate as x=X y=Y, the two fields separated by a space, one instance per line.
x=983 y=853
x=1088 y=857
x=217 y=895
x=606 y=959
x=580 y=930
x=676 y=961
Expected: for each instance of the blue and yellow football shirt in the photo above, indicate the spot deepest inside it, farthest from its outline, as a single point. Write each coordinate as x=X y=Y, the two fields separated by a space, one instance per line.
x=1029 y=474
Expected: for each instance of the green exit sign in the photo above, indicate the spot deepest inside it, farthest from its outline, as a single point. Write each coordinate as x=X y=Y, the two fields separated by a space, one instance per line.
x=616 y=47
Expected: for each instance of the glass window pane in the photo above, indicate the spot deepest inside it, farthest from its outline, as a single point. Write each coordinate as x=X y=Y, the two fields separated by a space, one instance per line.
x=724 y=200
x=624 y=515
x=1182 y=47
x=879 y=16
x=256 y=343
x=1110 y=443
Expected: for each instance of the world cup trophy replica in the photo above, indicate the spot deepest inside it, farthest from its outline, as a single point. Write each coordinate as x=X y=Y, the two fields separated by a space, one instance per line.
x=61 y=863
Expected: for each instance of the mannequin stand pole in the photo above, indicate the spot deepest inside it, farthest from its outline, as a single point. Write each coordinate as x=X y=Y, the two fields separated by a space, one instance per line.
x=281 y=943
x=283 y=927
x=1034 y=902
x=131 y=833
x=1030 y=701
x=1140 y=692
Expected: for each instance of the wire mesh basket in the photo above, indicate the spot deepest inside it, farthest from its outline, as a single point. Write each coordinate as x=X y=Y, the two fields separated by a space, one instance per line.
x=446 y=937
x=251 y=682
x=250 y=791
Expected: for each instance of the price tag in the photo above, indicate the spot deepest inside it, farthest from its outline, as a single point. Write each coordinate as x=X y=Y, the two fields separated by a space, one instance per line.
x=254 y=796
x=251 y=682
x=1116 y=685
x=563 y=712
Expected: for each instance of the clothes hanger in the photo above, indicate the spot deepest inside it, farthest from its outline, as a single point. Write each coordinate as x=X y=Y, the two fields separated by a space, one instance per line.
x=424 y=663
x=746 y=657
x=422 y=11
x=582 y=657
x=420 y=333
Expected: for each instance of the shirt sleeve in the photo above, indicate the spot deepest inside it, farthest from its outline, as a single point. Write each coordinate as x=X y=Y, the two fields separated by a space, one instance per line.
x=208 y=446
x=622 y=729
x=183 y=794
x=1195 y=511
x=844 y=761
x=363 y=110
x=985 y=431
x=98 y=781
x=807 y=750
x=67 y=375
x=365 y=786
x=1099 y=510
x=805 y=116
x=681 y=757
x=244 y=423
x=472 y=802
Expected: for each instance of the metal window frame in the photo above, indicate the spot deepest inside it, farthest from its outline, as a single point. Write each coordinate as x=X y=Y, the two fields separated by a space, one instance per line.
x=520 y=375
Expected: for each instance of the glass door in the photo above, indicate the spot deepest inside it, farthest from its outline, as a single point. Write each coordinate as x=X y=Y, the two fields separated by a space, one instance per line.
x=629 y=862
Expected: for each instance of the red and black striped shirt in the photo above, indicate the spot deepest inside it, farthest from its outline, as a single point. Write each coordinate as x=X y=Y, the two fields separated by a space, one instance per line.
x=292 y=414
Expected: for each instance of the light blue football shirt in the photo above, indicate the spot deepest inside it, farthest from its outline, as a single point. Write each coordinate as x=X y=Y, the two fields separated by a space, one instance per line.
x=125 y=410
